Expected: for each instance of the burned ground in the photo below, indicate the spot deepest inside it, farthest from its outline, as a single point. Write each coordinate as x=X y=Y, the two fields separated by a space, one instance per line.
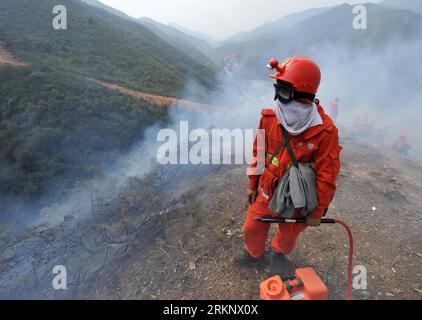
x=172 y=235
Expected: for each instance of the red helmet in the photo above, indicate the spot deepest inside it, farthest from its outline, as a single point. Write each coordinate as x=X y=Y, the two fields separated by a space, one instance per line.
x=301 y=72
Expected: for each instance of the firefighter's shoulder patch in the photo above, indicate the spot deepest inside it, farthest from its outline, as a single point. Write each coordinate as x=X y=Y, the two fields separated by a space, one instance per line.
x=267 y=112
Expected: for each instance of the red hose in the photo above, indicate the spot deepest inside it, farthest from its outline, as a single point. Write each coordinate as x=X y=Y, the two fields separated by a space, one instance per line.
x=350 y=263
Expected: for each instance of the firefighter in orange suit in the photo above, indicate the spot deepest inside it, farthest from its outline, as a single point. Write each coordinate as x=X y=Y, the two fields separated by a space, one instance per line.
x=334 y=109
x=313 y=138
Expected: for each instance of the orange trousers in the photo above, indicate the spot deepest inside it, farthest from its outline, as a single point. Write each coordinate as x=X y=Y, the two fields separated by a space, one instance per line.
x=256 y=233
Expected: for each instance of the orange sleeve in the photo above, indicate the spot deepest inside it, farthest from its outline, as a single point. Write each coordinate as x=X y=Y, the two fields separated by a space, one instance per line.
x=256 y=167
x=327 y=168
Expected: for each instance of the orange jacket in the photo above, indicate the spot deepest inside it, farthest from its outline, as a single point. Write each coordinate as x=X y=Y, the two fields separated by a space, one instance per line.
x=318 y=145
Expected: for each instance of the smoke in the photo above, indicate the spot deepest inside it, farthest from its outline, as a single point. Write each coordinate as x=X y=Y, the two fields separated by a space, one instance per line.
x=82 y=199
x=232 y=110
x=377 y=85
x=378 y=96
x=376 y=89
x=379 y=99
x=378 y=93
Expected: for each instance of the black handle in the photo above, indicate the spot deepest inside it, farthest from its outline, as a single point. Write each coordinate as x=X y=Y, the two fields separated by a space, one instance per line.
x=284 y=220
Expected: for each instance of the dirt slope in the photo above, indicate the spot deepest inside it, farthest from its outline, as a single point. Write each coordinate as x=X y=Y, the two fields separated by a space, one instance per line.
x=7 y=59
x=172 y=236
x=157 y=99
x=192 y=257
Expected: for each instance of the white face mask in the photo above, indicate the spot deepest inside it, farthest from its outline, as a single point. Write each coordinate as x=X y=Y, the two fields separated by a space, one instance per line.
x=297 y=117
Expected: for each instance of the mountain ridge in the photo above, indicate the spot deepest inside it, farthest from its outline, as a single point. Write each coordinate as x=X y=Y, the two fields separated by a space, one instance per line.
x=333 y=28
x=413 y=5
x=195 y=47
x=56 y=127
x=269 y=27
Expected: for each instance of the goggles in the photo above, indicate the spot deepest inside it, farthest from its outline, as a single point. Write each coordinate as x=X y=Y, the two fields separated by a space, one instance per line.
x=283 y=92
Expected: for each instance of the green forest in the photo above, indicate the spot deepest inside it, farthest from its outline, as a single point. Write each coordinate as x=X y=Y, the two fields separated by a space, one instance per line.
x=100 y=45
x=56 y=126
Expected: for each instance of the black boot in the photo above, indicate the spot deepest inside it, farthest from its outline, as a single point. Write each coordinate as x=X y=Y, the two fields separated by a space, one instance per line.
x=279 y=264
x=242 y=257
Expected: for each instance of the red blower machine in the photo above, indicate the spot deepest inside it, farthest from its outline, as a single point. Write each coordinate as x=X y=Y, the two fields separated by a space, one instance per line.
x=306 y=284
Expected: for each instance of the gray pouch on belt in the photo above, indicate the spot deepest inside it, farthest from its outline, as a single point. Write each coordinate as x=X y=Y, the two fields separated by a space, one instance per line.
x=297 y=188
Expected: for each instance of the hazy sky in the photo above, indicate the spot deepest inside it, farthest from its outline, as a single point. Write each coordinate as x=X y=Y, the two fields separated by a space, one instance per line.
x=218 y=18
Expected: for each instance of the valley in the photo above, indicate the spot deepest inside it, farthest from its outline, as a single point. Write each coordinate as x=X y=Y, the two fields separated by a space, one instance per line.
x=81 y=187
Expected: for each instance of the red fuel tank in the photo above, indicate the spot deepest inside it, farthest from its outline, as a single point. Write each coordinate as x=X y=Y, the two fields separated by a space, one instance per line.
x=306 y=285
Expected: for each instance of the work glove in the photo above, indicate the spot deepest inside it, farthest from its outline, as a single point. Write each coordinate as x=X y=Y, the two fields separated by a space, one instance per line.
x=252 y=196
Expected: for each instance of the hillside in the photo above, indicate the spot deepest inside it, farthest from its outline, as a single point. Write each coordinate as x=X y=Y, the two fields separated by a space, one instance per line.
x=165 y=248
x=353 y=62
x=279 y=26
x=7 y=59
x=193 y=46
x=57 y=127
x=80 y=182
x=196 y=48
x=413 y=5
x=193 y=33
x=109 y=9
x=325 y=30
x=98 y=44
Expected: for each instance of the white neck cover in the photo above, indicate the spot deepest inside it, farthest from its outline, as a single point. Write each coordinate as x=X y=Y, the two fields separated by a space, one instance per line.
x=297 y=117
